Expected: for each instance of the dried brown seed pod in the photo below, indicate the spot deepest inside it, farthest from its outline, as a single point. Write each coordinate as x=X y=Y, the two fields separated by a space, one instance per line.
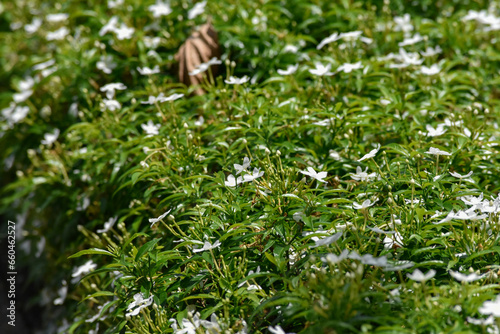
x=199 y=48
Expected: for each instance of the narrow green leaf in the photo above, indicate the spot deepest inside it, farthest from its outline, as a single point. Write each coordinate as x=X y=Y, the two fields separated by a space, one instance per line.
x=146 y=248
x=92 y=251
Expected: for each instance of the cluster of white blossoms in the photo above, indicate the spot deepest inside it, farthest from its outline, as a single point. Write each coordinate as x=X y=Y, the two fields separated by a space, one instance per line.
x=367 y=259
x=121 y=31
x=161 y=98
x=192 y=324
x=479 y=209
x=82 y=270
x=489 y=20
x=246 y=176
x=138 y=304
x=109 y=103
x=203 y=67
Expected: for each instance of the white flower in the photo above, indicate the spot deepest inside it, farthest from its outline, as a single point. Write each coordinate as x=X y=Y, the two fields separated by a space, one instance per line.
x=152 y=99
x=434 y=69
x=255 y=174
x=211 y=326
x=399 y=265
x=312 y=173
x=366 y=204
x=348 y=68
x=44 y=65
x=237 y=81
x=160 y=9
x=147 y=71
x=406 y=59
x=334 y=155
x=430 y=52
x=412 y=40
x=22 y=96
x=321 y=69
x=369 y=259
x=59 y=17
x=111 y=87
x=200 y=121
x=378 y=230
x=106 y=64
x=204 y=66
x=415 y=201
x=384 y=102
x=438 y=131
x=108 y=225
x=152 y=42
x=277 y=330
x=465 y=278
x=418 y=276
x=111 y=105
x=84 y=269
x=403 y=23
x=371 y=154
x=14 y=114
x=50 y=138
x=239 y=168
x=332 y=38
x=481 y=322
x=363 y=176
x=459 y=176
x=351 y=35
x=170 y=98
x=58 y=34
x=491 y=307
x=138 y=304
x=198 y=9
x=297 y=216
x=436 y=151
x=33 y=27
x=366 y=40
x=189 y=326
x=393 y=241
x=327 y=240
x=207 y=246
x=150 y=128
x=62 y=292
x=232 y=181
x=347 y=36
x=289 y=70
x=290 y=49
x=161 y=98
x=462 y=215
x=26 y=84
x=334 y=259
x=472 y=200
x=124 y=32
x=155 y=220
x=112 y=25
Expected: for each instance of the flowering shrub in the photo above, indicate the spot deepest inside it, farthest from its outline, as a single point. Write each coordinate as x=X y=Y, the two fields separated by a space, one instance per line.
x=340 y=175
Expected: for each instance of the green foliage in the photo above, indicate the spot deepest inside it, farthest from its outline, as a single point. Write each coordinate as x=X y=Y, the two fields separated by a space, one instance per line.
x=296 y=200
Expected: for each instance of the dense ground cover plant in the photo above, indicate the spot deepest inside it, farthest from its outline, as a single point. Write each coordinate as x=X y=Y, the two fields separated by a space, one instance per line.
x=339 y=176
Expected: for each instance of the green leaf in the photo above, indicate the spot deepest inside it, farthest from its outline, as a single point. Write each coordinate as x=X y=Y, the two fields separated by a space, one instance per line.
x=271 y=258
x=146 y=248
x=483 y=252
x=99 y=294
x=92 y=251
x=200 y=296
x=129 y=240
